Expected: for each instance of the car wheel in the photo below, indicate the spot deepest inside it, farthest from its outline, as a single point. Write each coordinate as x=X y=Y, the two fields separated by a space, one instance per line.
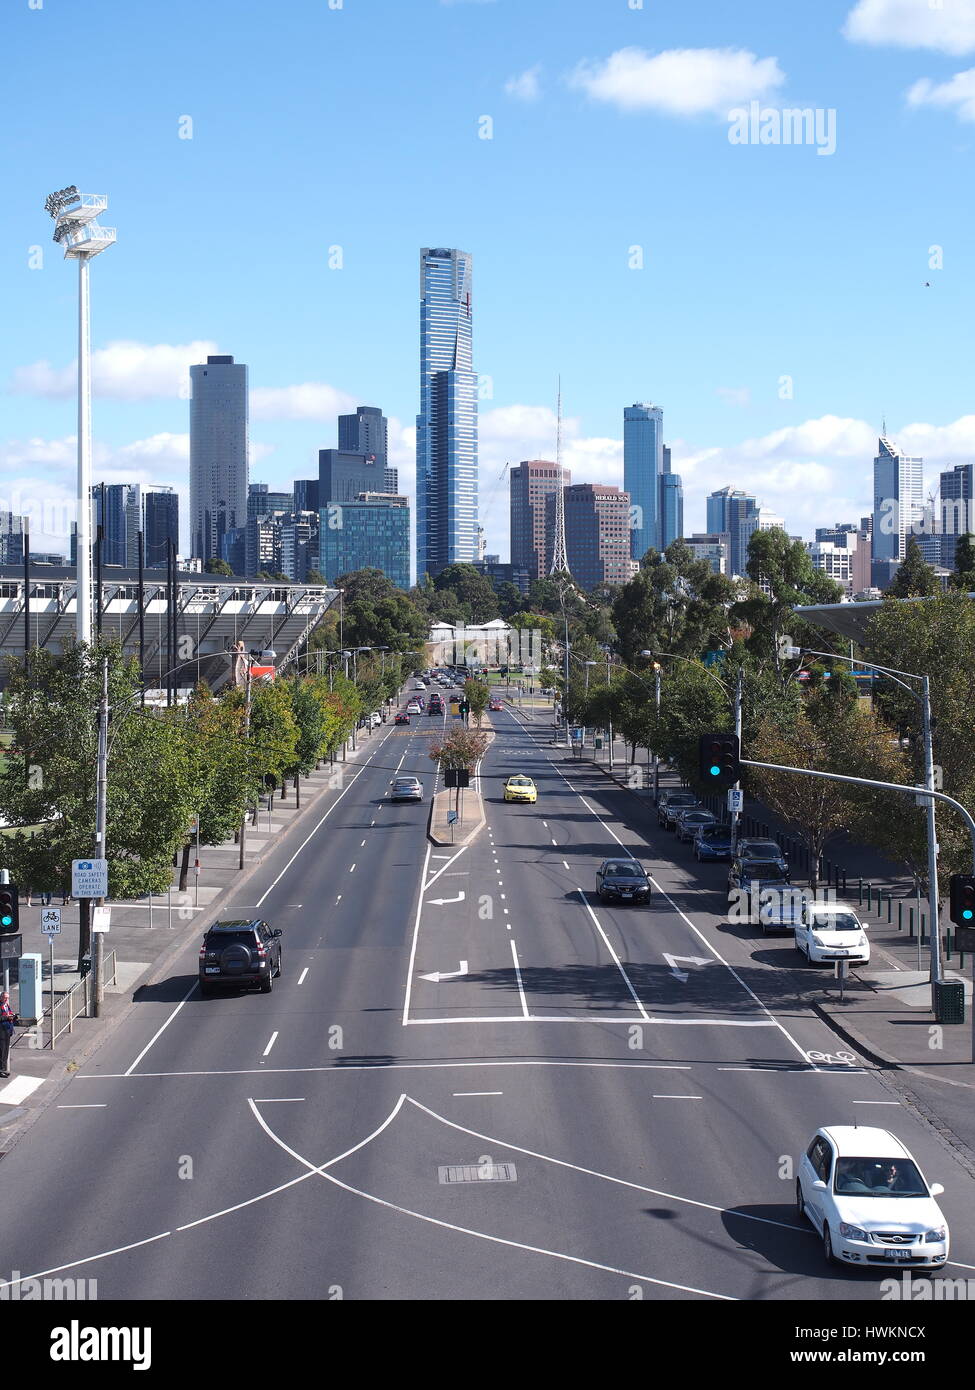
x=267 y=983
x=828 y=1246
x=802 y=953
x=800 y=1203
x=280 y=961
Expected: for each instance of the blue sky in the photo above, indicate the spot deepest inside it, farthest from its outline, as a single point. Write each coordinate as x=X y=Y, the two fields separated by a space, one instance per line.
x=358 y=127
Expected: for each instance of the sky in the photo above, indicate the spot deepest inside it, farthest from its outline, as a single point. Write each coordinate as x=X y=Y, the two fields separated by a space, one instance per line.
x=274 y=169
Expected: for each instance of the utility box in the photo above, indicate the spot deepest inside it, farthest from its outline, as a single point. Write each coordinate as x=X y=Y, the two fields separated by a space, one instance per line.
x=29 y=1003
x=949 y=1001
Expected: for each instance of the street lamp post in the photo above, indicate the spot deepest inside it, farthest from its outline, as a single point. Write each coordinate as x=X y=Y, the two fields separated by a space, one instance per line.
x=77 y=229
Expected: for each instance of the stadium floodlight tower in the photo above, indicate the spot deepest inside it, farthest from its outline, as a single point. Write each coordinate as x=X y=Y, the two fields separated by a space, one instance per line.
x=77 y=230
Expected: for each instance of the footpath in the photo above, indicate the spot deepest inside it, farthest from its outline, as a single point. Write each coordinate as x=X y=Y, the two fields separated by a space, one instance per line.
x=885 y=1011
x=144 y=935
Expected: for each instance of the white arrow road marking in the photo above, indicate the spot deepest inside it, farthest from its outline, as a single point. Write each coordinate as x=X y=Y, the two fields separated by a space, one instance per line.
x=439 y=975
x=689 y=960
x=443 y=902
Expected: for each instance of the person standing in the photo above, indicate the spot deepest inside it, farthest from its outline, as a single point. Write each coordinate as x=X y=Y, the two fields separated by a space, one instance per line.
x=7 y=1020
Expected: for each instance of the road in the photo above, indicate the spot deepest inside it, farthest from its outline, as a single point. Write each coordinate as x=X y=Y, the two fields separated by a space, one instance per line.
x=583 y=1102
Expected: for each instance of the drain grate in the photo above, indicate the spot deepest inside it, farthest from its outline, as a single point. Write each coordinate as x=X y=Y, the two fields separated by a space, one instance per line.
x=477 y=1172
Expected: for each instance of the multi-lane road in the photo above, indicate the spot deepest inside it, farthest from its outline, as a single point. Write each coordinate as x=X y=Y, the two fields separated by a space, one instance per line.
x=471 y=1081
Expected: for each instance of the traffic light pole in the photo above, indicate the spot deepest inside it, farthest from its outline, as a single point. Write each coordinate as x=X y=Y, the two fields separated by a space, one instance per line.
x=101 y=807
x=739 y=685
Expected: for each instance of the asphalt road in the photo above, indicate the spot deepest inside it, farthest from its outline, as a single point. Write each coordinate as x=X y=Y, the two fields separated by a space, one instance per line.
x=584 y=1102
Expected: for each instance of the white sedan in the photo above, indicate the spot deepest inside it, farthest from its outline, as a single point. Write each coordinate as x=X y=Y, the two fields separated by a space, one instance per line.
x=868 y=1199
x=831 y=931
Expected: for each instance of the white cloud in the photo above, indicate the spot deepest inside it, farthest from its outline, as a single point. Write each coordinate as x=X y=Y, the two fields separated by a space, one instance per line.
x=734 y=395
x=958 y=93
x=312 y=400
x=525 y=87
x=123 y=370
x=948 y=27
x=680 y=81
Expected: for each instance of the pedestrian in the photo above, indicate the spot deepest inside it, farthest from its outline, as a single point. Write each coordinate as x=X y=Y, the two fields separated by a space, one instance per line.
x=29 y=893
x=7 y=1021
x=46 y=898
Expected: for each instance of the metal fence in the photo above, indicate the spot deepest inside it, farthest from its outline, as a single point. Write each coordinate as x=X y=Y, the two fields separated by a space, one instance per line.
x=77 y=1002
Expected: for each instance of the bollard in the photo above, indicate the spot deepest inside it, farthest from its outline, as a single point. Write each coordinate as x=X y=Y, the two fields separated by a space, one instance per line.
x=869 y=897
x=900 y=915
x=860 y=892
x=911 y=932
x=890 y=908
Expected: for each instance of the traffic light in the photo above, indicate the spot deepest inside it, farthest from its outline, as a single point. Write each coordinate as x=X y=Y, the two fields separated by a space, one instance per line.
x=962 y=898
x=9 y=910
x=719 y=760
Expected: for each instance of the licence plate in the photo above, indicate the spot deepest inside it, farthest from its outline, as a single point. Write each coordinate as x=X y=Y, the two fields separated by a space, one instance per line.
x=212 y=970
x=627 y=895
x=901 y=1254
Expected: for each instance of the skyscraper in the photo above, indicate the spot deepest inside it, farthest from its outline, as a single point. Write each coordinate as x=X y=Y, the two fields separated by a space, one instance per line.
x=374 y=534
x=153 y=510
x=529 y=483
x=727 y=509
x=306 y=494
x=957 y=511
x=446 y=427
x=898 y=502
x=262 y=502
x=365 y=432
x=670 y=511
x=597 y=534
x=343 y=475
x=11 y=539
x=218 y=453
x=110 y=515
x=643 y=463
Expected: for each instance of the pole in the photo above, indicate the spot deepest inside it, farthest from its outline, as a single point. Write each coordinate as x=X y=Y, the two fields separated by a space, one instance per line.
x=169 y=905
x=934 y=934
x=242 y=834
x=196 y=866
x=50 y=943
x=565 y=698
x=26 y=526
x=83 y=540
x=101 y=807
x=656 y=754
x=99 y=557
x=739 y=686
x=5 y=878
x=142 y=630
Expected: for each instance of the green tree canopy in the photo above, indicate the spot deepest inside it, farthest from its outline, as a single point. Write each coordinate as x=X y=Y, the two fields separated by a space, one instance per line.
x=914 y=578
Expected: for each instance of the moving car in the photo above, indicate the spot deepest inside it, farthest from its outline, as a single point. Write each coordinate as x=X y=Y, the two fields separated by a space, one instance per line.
x=495 y=705
x=831 y=931
x=712 y=842
x=689 y=822
x=671 y=803
x=864 y=1193
x=245 y=951
x=520 y=788
x=414 y=707
x=401 y=718
x=622 y=880
x=406 y=789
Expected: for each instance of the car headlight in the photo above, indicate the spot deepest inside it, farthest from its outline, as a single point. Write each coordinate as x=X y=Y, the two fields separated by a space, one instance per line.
x=852 y=1232
x=938 y=1234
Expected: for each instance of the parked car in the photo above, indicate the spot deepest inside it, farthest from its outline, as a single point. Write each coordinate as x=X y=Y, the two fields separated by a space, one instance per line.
x=402 y=718
x=689 y=822
x=245 y=951
x=831 y=931
x=712 y=842
x=671 y=803
x=762 y=849
x=867 y=1197
x=744 y=872
x=622 y=880
x=406 y=789
x=375 y=719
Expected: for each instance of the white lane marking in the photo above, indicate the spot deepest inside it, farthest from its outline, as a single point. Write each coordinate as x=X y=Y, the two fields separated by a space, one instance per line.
x=521 y=987
x=159 y=1031
x=808 y=1069
x=99 y=1106
x=279 y=1100
x=362 y=844
x=88 y=1259
x=416 y=934
x=428 y=883
x=668 y=1097
x=384 y=1066
x=545 y=824
x=701 y=937
x=480 y=1235
x=627 y=1019
x=619 y=964
x=301 y=977
x=19 y=1089
x=478 y=1093
x=564 y=864
x=555 y=842
x=271 y=1043
x=876 y=1102
x=338 y=900
x=320 y=823
x=400 y=763
x=352 y=870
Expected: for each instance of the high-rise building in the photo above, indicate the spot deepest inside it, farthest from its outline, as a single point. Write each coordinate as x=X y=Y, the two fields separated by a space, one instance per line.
x=713 y=547
x=597 y=534
x=262 y=545
x=498 y=573
x=153 y=510
x=11 y=539
x=299 y=545
x=957 y=509
x=306 y=494
x=262 y=502
x=446 y=427
x=218 y=453
x=727 y=509
x=529 y=483
x=670 y=510
x=898 y=503
x=365 y=432
x=374 y=533
x=643 y=465
x=110 y=514
x=342 y=476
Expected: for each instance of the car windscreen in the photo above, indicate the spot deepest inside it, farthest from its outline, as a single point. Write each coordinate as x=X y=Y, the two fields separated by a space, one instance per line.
x=682 y=799
x=716 y=832
x=762 y=849
x=519 y=782
x=878 y=1177
x=833 y=921
x=623 y=871
x=697 y=817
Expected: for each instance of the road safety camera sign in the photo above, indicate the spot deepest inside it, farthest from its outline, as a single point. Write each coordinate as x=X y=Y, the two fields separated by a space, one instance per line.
x=89 y=878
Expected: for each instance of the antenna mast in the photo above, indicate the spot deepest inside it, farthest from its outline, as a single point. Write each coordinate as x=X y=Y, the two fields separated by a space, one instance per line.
x=560 y=560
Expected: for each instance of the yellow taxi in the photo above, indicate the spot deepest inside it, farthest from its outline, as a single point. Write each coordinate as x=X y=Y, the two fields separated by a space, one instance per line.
x=520 y=789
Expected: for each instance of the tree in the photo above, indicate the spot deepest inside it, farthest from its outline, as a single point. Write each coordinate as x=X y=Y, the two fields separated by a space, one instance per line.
x=783 y=578
x=510 y=600
x=315 y=577
x=477 y=693
x=963 y=576
x=914 y=578
x=472 y=590
x=674 y=604
x=459 y=748
x=376 y=613
x=217 y=566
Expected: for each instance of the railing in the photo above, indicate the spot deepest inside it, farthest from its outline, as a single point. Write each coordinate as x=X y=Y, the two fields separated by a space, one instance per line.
x=77 y=1002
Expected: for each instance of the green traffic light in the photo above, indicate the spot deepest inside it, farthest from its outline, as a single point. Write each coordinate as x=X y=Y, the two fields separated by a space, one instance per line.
x=715 y=770
x=6 y=920
x=966 y=912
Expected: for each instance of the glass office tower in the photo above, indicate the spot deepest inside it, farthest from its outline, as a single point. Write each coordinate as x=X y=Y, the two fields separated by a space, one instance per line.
x=218 y=453
x=643 y=464
x=446 y=427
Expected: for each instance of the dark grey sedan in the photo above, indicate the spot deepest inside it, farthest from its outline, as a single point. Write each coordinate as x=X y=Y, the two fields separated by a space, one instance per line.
x=622 y=881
